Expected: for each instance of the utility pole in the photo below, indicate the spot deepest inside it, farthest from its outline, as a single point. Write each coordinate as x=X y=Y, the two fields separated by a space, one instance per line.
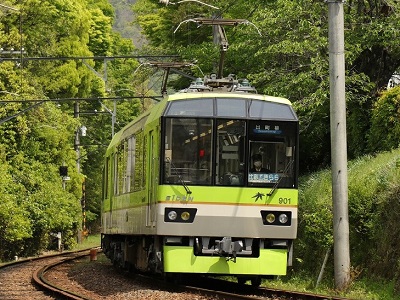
x=338 y=144
x=77 y=139
x=78 y=160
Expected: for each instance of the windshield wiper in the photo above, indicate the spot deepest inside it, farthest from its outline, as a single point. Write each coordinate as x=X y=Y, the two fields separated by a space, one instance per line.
x=280 y=178
x=188 y=191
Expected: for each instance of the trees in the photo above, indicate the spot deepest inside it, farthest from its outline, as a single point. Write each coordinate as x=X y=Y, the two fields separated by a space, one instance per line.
x=291 y=58
x=36 y=137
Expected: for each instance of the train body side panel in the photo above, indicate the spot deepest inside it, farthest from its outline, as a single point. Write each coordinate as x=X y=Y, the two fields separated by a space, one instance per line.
x=127 y=216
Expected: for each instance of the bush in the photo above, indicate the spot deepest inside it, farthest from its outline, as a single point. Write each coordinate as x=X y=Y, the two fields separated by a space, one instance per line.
x=384 y=133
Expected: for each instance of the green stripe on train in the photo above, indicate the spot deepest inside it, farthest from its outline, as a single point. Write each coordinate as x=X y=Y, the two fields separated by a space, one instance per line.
x=228 y=195
x=208 y=195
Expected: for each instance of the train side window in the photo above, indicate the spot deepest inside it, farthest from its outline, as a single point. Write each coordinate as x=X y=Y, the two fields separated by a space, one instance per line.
x=121 y=167
x=188 y=151
x=106 y=178
x=139 y=162
x=125 y=167
x=115 y=173
x=144 y=159
x=131 y=162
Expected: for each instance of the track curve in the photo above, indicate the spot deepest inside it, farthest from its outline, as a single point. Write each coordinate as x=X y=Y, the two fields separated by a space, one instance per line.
x=16 y=277
x=100 y=280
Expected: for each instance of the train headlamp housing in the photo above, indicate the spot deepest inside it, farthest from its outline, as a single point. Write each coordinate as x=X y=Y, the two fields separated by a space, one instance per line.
x=179 y=215
x=270 y=218
x=277 y=218
x=172 y=215
x=283 y=218
x=185 y=215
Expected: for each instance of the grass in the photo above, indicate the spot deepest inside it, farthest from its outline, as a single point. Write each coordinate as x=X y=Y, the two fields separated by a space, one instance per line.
x=361 y=289
x=91 y=241
x=374 y=205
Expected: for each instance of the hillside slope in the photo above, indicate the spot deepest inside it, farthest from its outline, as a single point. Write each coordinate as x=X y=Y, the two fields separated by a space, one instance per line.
x=374 y=206
x=124 y=18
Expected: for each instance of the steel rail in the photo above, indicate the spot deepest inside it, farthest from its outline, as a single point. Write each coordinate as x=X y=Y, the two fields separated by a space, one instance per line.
x=39 y=279
x=228 y=290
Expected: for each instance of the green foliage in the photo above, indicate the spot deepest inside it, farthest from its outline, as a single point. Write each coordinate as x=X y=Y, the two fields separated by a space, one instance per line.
x=290 y=58
x=384 y=133
x=14 y=224
x=315 y=215
x=358 y=113
x=373 y=197
x=41 y=145
x=104 y=5
x=99 y=34
x=36 y=137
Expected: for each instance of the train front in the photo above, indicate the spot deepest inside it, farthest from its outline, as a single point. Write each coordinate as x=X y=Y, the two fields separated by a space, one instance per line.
x=227 y=199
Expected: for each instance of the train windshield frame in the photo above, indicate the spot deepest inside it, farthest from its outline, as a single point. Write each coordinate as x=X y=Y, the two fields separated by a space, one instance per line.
x=219 y=150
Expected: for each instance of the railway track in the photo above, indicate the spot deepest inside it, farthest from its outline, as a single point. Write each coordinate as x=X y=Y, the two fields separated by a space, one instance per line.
x=16 y=277
x=53 y=288
x=228 y=289
x=47 y=273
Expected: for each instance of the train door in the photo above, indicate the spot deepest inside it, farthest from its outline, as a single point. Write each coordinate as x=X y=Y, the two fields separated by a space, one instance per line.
x=152 y=182
x=114 y=180
x=107 y=181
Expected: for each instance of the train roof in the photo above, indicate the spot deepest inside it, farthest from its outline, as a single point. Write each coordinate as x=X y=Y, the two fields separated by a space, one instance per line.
x=192 y=95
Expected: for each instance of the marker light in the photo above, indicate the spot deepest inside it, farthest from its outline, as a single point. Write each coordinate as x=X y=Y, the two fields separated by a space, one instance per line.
x=202 y=152
x=270 y=218
x=172 y=215
x=276 y=218
x=180 y=214
x=185 y=215
x=283 y=218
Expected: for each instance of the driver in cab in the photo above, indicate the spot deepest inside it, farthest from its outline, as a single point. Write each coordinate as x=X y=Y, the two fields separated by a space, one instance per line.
x=257 y=165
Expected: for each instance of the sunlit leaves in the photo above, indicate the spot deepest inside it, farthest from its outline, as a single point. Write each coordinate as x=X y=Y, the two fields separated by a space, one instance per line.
x=36 y=138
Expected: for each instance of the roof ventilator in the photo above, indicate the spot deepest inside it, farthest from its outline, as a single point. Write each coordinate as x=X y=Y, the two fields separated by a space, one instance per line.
x=228 y=84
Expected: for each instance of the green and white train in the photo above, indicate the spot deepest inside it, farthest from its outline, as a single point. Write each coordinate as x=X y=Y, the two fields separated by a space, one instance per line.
x=179 y=192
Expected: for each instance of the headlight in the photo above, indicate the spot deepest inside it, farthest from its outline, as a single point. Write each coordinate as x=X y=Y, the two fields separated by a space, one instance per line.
x=283 y=218
x=172 y=215
x=185 y=216
x=276 y=218
x=180 y=214
x=270 y=218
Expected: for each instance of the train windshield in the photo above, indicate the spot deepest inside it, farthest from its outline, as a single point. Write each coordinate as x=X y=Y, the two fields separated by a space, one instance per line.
x=271 y=153
x=229 y=152
x=188 y=151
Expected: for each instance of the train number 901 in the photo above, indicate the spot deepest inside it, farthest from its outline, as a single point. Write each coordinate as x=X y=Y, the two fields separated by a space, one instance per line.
x=284 y=200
